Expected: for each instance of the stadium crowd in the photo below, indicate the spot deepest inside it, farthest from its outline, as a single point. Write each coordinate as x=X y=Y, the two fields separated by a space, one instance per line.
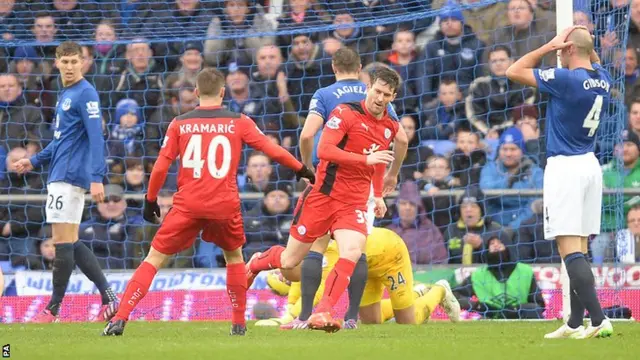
x=469 y=127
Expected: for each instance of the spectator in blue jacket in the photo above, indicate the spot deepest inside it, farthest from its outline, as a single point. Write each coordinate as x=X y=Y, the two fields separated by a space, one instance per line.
x=455 y=51
x=511 y=170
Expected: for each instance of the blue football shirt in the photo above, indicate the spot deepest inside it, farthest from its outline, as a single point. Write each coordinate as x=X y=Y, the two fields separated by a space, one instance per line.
x=578 y=100
x=76 y=154
x=326 y=99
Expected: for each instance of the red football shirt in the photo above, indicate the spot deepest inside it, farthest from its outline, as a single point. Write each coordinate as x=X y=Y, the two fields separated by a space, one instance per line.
x=209 y=143
x=347 y=177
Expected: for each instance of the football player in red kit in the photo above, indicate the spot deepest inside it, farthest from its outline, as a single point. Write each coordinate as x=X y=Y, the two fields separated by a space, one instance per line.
x=353 y=152
x=209 y=142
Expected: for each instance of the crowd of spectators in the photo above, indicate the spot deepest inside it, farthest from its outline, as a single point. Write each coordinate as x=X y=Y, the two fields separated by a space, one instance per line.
x=469 y=127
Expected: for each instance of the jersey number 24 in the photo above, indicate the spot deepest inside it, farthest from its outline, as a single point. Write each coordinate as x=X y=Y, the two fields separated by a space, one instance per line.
x=193 y=156
x=592 y=120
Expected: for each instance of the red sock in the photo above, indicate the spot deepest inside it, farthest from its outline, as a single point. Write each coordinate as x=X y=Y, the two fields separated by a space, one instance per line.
x=136 y=289
x=237 y=290
x=268 y=260
x=336 y=284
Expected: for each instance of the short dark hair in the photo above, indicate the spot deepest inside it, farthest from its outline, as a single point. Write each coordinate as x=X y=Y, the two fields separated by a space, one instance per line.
x=43 y=14
x=497 y=48
x=388 y=76
x=448 y=81
x=634 y=101
x=346 y=60
x=209 y=81
x=68 y=48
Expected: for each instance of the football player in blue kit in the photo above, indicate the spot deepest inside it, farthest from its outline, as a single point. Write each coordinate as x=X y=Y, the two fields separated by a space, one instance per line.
x=579 y=95
x=76 y=164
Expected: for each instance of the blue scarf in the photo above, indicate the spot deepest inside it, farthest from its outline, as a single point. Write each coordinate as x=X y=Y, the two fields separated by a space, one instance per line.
x=128 y=136
x=444 y=117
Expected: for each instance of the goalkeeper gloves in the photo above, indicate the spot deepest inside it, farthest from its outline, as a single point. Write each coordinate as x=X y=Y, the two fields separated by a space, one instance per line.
x=151 y=211
x=306 y=173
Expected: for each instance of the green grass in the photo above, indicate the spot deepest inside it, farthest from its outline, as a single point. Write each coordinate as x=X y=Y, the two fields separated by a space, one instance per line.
x=210 y=340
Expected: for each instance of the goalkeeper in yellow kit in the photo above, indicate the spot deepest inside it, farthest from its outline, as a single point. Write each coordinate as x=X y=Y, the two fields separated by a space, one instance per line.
x=389 y=267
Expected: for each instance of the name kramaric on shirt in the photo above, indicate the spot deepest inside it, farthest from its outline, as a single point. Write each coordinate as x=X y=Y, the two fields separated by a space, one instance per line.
x=207 y=128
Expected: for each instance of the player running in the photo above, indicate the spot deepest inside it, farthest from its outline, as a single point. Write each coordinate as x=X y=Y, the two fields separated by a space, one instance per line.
x=573 y=178
x=77 y=164
x=347 y=88
x=389 y=267
x=353 y=151
x=209 y=142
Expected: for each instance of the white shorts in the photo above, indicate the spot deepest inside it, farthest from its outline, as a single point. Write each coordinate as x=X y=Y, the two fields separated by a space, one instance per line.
x=65 y=203
x=572 y=196
x=371 y=211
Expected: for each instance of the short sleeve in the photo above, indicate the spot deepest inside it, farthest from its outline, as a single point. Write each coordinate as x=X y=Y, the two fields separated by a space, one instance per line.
x=317 y=106
x=170 y=145
x=551 y=81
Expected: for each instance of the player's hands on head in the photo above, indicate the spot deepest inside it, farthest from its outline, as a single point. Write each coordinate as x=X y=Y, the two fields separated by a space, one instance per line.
x=97 y=192
x=151 y=211
x=381 y=207
x=23 y=165
x=306 y=173
x=380 y=157
x=560 y=42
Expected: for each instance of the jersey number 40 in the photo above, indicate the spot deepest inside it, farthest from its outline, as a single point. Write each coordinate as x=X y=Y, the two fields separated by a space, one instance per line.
x=193 y=156
x=592 y=120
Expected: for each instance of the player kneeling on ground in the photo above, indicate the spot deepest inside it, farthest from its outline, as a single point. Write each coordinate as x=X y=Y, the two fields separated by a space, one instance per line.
x=390 y=267
x=209 y=142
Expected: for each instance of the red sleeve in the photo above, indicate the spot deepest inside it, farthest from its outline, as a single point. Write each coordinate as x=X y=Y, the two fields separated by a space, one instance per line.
x=253 y=137
x=169 y=151
x=334 y=132
x=378 y=179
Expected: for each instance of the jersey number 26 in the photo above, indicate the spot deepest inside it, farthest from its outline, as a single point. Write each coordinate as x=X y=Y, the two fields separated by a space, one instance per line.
x=592 y=120
x=193 y=156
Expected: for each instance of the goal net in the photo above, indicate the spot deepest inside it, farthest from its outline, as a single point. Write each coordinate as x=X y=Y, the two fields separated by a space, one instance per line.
x=459 y=199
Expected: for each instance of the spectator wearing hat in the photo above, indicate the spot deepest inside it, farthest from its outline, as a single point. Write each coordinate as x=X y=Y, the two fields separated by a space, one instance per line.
x=483 y=19
x=525 y=118
x=268 y=223
x=307 y=70
x=491 y=98
x=109 y=230
x=455 y=51
x=26 y=65
x=239 y=17
x=191 y=62
x=628 y=154
x=468 y=238
x=127 y=131
x=511 y=170
x=423 y=239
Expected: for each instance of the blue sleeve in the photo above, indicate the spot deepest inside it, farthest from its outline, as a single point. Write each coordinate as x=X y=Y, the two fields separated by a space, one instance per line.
x=392 y=112
x=487 y=177
x=551 y=81
x=44 y=156
x=317 y=106
x=92 y=120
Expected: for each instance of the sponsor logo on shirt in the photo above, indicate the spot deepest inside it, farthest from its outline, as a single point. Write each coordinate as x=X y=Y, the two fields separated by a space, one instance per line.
x=334 y=122
x=548 y=74
x=313 y=104
x=93 y=109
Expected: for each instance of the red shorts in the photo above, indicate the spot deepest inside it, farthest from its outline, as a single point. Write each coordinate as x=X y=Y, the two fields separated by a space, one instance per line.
x=317 y=214
x=178 y=232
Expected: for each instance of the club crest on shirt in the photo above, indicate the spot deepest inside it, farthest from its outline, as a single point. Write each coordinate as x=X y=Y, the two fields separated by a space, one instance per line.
x=334 y=123
x=66 y=104
x=387 y=133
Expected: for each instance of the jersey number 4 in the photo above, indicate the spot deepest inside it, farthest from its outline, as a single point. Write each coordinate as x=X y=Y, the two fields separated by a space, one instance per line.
x=193 y=156
x=592 y=120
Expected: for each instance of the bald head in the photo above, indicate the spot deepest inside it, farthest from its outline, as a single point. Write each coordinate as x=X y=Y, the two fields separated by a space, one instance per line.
x=582 y=41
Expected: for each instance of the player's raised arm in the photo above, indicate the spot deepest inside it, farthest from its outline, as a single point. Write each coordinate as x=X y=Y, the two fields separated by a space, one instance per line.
x=253 y=137
x=522 y=71
x=92 y=120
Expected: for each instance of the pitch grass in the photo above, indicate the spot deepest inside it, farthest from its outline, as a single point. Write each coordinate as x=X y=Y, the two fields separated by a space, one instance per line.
x=210 y=340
